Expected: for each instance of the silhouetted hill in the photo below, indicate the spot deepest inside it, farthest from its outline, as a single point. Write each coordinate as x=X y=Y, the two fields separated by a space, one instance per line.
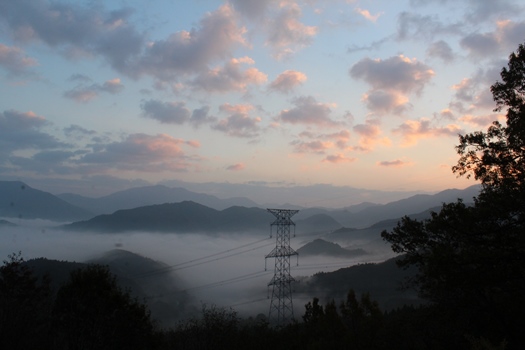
x=382 y=281
x=178 y=218
x=322 y=247
x=151 y=280
x=5 y=223
x=145 y=278
x=21 y=201
x=151 y=195
x=244 y=219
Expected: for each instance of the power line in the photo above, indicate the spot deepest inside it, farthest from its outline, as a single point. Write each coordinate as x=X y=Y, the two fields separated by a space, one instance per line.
x=249 y=302
x=195 y=262
x=215 y=284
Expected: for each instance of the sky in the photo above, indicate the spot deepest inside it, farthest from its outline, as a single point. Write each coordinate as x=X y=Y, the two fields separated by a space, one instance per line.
x=102 y=95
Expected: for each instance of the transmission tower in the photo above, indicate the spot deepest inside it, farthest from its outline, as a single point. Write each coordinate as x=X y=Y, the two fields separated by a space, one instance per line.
x=281 y=306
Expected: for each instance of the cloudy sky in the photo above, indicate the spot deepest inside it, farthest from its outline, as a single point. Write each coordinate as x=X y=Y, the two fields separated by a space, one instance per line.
x=369 y=94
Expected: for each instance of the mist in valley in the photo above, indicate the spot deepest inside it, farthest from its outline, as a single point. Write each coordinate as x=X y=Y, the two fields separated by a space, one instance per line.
x=224 y=270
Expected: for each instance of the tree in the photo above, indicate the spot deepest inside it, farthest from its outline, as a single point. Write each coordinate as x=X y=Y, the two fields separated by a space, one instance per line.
x=355 y=324
x=92 y=312
x=471 y=259
x=25 y=302
x=217 y=328
x=363 y=320
x=497 y=157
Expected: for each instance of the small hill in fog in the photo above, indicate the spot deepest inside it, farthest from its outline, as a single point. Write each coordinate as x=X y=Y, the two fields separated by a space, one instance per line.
x=5 y=223
x=383 y=281
x=146 y=279
x=322 y=247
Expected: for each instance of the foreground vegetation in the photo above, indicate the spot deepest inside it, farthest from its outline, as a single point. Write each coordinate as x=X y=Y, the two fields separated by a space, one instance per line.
x=90 y=311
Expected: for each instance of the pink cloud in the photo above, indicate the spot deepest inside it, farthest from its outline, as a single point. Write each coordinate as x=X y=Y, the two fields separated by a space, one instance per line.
x=316 y=146
x=287 y=81
x=338 y=139
x=23 y=131
x=192 y=51
x=504 y=38
x=236 y=167
x=447 y=114
x=85 y=93
x=391 y=80
x=481 y=121
x=239 y=123
x=77 y=30
x=287 y=34
x=193 y=143
x=14 y=60
x=230 y=77
x=414 y=130
x=397 y=73
x=366 y=14
x=240 y=108
x=112 y=86
x=338 y=158
x=142 y=152
x=166 y=112
x=308 y=111
x=252 y=8
x=393 y=163
x=442 y=50
x=81 y=94
x=383 y=102
x=370 y=135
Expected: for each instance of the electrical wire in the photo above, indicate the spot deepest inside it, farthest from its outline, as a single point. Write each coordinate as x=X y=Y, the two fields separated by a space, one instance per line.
x=241 y=278
x=197 y=262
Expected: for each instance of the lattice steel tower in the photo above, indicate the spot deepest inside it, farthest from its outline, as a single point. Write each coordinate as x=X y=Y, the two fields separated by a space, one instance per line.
x=281 y=306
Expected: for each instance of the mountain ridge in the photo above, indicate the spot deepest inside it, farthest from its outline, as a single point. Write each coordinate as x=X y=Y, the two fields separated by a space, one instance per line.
x=18 y=200
x=183 y=217
x=150 y=195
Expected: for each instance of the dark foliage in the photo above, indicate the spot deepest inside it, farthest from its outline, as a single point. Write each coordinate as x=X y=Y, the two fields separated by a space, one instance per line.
x=90 y=311
x=25 y=305
x=471 y=259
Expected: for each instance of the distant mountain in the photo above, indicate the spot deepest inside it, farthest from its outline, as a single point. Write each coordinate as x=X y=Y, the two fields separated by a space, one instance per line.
x=394 y=210
x=189 y=216
x=275 y=195
x=359 y=207
x=370 y=237
x=178 y=218
x=322 y=247
x=150 y=195
x=317 y=223
x=18 y=200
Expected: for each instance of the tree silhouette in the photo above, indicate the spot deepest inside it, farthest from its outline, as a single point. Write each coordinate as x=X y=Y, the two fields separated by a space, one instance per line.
x=471 y=259
x=25 y=303
x=92 y=312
